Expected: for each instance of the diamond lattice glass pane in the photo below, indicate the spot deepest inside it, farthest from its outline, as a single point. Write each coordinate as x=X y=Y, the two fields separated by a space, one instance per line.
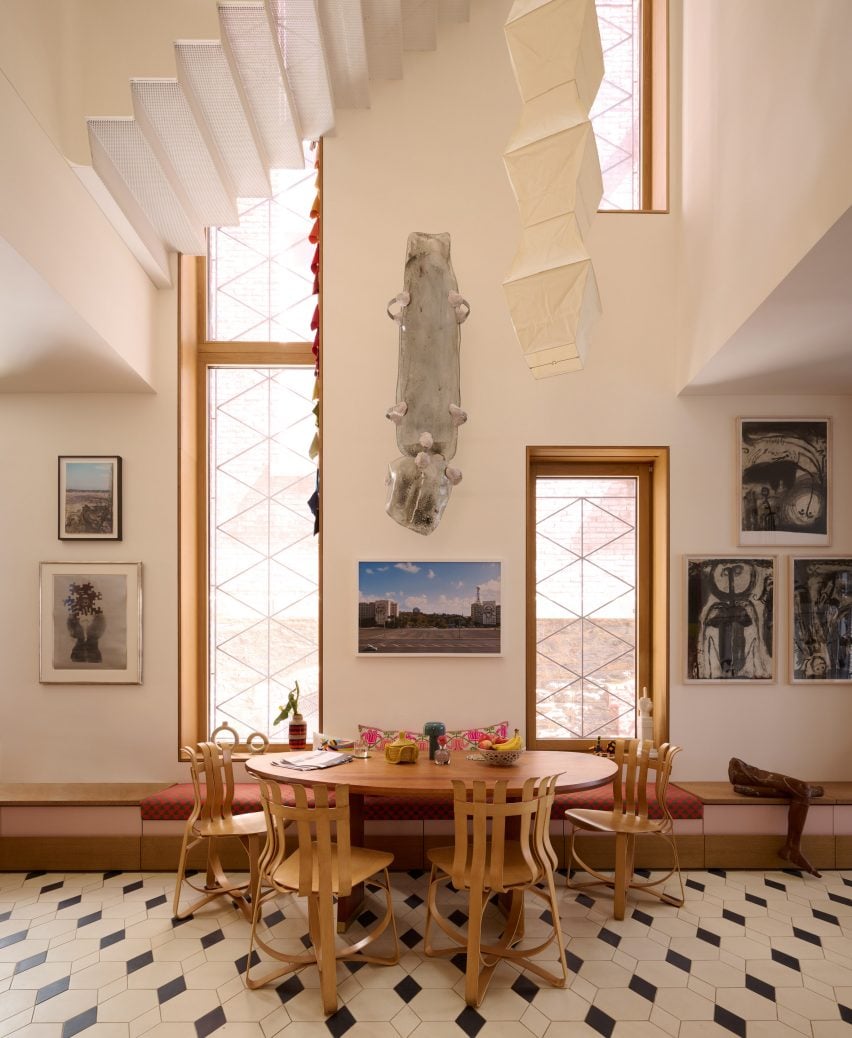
x=585 y=607
x=615 y=114
x=264 y=568
x=260 y=286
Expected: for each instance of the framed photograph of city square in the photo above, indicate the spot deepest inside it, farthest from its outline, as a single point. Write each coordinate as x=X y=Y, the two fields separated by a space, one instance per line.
x=784 y=488
x=89 y=498
x=730 y=618
x=820 y=620
x=90 y=623
x=429 y=608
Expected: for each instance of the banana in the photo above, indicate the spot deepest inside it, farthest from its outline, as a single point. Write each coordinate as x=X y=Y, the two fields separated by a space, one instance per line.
x=511 y=744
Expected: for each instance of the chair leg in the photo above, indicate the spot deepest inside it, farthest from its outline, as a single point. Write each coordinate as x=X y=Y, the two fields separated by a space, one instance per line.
x=181 y=872
x=355 y=952
x=326 y=957
x=472 y=991
x=557 y=927
x=624 y=843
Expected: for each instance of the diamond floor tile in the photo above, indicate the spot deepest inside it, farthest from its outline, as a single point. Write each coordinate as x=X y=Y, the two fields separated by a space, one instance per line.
x=761 y=955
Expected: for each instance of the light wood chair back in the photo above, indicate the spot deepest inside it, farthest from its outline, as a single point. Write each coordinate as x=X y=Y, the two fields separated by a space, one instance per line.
x=640 y=766
x=309 y=854
x=502 y=846
x=212 y=821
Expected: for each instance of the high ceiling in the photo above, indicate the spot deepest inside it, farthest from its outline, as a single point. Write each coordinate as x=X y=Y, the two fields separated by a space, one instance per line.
x=797 y=341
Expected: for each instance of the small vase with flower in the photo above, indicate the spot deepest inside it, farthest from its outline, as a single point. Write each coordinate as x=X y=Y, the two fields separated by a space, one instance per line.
x=297 y=730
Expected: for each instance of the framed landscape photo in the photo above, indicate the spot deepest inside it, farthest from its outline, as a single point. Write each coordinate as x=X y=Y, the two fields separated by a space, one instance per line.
x=429 y=608
x=90 y=498
x=784 y=481
x=90 y=623
x=821 y=619
x=730 y=618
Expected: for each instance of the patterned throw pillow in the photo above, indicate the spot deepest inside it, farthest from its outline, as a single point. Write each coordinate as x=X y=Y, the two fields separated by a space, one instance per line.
x=378 y=738
x=457 y=739
x=465 y=738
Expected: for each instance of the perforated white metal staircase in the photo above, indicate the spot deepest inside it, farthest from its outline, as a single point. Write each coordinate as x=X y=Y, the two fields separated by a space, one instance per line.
x=242 y=105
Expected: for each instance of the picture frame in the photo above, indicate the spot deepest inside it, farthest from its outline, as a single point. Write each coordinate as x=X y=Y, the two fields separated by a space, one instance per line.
x=89 y=498
x=730 y=619
x=438 y=608
x=90 y=623
x=820 y=620
x=784 y=488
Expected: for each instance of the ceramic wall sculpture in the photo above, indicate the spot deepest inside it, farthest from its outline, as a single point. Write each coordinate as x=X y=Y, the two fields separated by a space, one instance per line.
x=427 y=412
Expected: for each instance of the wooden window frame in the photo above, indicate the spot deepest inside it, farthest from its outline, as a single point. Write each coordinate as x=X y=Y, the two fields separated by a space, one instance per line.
x=652 y=578
x=195 y=355
x=653 y=111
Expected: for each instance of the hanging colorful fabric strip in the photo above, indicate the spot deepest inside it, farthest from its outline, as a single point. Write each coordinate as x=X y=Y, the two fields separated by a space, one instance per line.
x=315 y=238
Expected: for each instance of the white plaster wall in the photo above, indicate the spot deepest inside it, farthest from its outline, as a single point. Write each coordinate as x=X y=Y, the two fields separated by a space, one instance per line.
x=86 y=52
x=49 y=219
x=81 y=733
x=767 y=156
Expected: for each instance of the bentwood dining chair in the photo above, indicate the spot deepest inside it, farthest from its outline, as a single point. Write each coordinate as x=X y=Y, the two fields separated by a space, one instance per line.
x=212 y=821
x=319 y=863
x=501 y=847
x=642 y=779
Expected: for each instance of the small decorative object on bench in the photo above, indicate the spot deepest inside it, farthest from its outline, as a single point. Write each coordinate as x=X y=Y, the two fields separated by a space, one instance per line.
x=401 y=750
x=255 y=742
x=750 y=781
x=297 y=732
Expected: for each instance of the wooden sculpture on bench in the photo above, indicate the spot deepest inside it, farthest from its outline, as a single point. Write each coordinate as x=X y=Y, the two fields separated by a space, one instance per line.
x=754 y=782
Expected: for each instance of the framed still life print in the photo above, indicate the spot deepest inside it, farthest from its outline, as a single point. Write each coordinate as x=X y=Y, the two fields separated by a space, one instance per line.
x=730 y=618
x=89 y=498
x=90 y=629
x=821 y=620
x=784 y=481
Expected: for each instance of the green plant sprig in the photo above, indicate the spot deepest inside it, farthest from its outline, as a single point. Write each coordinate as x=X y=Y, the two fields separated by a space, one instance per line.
x=291 y=706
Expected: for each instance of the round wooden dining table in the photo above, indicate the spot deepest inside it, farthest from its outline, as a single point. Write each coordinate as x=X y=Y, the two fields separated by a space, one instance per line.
x=375 y=776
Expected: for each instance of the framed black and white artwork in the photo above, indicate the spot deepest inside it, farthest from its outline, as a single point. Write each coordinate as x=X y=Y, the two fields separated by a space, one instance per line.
x=821 y=619
x=730 y=618
x=784 y=481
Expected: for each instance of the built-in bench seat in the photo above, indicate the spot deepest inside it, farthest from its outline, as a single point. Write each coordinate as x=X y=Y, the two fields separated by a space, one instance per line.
x=746 y=832
x=135 y=826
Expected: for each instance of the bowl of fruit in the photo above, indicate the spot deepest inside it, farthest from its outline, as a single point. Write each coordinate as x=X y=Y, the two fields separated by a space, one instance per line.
x=501 y=752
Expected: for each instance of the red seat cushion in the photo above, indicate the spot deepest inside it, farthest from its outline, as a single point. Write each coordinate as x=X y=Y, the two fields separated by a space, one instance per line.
x=175 y=803
x=680 y=803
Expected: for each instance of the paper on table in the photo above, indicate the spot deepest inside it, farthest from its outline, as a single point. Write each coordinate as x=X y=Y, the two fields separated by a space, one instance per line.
x=313 y=760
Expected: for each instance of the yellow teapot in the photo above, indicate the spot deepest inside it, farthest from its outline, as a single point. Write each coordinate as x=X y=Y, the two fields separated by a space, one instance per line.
x=401 y=750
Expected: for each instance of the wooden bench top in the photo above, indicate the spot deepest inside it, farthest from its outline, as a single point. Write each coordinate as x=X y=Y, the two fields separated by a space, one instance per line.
x=77 y=794
x=723 y=793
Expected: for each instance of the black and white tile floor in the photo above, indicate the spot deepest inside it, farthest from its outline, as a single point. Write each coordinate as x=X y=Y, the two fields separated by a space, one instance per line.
x=759 y=955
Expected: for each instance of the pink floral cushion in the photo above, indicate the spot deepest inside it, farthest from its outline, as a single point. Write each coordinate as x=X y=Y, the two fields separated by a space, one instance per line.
x=457 y=739
x=378 y=738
